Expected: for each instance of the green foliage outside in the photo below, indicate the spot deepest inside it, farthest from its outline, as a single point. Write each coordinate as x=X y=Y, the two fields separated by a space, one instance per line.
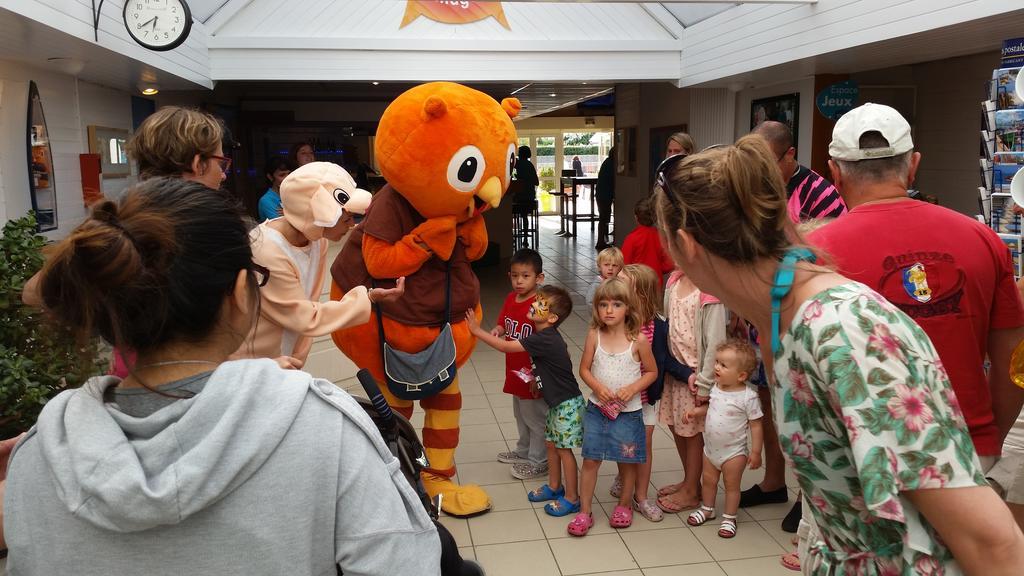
x=37 y=359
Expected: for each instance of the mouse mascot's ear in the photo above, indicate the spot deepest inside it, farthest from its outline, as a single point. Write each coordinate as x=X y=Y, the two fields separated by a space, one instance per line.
x=511 y=106
x=314 y=196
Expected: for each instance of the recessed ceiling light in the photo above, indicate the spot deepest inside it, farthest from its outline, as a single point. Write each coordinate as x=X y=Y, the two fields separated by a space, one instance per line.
x=584 y=83
x=552 y=94
x=150 y=91
x=149 y=88
x=375 y=83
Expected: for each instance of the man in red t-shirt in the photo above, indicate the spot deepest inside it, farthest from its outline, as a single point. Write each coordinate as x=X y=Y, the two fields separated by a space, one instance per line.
x=948 y=272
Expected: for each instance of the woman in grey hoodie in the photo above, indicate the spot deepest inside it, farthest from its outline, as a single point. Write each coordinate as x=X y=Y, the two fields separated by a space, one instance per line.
x=194 y=464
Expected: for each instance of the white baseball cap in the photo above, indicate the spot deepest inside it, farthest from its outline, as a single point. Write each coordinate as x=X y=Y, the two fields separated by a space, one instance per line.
x=870 y=118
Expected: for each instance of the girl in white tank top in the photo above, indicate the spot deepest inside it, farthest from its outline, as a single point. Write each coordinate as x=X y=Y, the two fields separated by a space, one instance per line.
x=617 y=365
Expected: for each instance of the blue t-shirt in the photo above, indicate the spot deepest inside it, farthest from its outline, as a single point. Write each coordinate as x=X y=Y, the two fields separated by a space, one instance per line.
x=270 y=205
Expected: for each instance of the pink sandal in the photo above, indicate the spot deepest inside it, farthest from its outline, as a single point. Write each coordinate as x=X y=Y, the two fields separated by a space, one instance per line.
x=622 y=517
x=581 y=524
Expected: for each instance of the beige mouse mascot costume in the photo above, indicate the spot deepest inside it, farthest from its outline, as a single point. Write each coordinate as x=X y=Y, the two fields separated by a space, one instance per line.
x=317 y=201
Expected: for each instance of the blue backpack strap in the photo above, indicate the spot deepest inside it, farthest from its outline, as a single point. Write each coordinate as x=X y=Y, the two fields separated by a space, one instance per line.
x=783 y=284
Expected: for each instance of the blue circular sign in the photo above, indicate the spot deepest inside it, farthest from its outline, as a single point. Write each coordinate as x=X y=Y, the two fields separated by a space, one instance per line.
x=837 y=99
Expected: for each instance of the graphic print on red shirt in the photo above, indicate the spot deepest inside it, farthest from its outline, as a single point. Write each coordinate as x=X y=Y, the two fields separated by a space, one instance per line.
x=513 y=318
x=950 y=273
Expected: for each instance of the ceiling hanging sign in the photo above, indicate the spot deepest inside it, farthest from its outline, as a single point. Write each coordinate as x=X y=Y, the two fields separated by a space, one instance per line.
x=837 y=99
x=453 y=11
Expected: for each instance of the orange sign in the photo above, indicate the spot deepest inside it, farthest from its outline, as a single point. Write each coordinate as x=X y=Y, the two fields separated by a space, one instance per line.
x=453 y=11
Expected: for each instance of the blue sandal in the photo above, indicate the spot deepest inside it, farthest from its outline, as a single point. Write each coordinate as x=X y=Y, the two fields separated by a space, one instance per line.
x=561 y=507
x=545 y=493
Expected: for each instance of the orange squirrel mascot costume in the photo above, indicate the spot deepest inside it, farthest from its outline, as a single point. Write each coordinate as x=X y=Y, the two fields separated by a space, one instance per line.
x=447 y=152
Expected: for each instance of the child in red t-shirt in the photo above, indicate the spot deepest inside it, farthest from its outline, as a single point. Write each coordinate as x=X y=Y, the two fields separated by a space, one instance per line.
x=643 y=244
x=529 y=459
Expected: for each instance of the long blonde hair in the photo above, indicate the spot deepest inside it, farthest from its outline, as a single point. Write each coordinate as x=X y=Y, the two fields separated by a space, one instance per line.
x=684 y=140
x=616 y=289
x=646 y=290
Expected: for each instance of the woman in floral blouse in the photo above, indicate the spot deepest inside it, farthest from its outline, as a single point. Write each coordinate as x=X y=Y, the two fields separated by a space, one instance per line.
x=863 y=406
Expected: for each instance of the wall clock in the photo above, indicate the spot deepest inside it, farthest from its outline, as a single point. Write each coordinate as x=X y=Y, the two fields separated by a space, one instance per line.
x=158 y=24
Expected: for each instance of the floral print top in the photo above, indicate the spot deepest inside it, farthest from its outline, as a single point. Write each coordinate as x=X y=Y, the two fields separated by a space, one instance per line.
x=865 y=411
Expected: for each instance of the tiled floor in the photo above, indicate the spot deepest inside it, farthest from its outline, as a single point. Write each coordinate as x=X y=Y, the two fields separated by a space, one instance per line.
x=517 y=538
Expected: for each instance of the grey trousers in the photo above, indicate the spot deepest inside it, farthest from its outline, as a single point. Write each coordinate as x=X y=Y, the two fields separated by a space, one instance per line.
x=531 y=417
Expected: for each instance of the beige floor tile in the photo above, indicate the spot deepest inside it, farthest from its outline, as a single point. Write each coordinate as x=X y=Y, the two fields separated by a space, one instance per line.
x=459 y=527
x=617 y=573
x=665 y=547
x=503 y=414
x=480 y=433
x=518 y=559
x=665 y=460
x=475 y=402
x=766 y=566
x=592 y=553
x=485 y=473
x=510 y=431
x=510 y=496
x=469 y=452
x=467 y=553
x=751 y=541
x=471 y=388
x=774 y=528
x=501 y=400
x=471 y=417
x=708 y=569
x=770 y=511
x=503 y=527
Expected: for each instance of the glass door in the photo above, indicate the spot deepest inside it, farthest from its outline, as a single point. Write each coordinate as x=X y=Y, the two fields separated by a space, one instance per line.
x=545 y=154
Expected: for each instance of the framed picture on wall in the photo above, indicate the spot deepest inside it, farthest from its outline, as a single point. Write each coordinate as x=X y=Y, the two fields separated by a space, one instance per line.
x=110 y=144
x=785 y=109
x=659 y=138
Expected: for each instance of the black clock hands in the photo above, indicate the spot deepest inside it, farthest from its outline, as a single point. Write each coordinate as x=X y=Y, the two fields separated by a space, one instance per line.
x=146 y=23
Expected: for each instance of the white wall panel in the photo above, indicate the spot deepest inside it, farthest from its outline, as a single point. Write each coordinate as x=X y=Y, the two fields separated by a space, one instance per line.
x=189 y=61
x=712 y=116
x=101 y=106
x=751 y=37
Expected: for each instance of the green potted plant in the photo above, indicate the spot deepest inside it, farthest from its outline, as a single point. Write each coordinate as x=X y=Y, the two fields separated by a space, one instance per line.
x=37 y=358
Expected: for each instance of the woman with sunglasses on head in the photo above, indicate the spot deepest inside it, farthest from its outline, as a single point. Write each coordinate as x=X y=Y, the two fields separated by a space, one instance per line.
x=864 y=408
x=194 y=464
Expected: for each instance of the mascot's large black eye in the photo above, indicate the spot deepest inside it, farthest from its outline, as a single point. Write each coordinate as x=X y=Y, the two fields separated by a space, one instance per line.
x=341 y=196
x=466 y=168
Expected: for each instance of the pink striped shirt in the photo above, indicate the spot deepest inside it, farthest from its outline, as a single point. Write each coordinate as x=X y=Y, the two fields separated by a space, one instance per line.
x=811 y=197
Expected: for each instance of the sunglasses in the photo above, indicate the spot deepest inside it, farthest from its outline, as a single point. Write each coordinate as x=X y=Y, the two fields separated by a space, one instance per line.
x=674 y=159
x=262 y=274
x=225 y=162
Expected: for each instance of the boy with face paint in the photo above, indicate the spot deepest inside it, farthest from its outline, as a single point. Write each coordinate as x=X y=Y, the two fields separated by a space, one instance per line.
x=554 y=377
x=319 y=202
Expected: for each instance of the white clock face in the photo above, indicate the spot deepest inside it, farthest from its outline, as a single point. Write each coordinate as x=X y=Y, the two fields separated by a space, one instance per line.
x=158 y=24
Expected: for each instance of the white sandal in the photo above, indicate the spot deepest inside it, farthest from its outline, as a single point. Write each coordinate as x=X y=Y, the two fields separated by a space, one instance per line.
x=728 y=527
x=701 y=515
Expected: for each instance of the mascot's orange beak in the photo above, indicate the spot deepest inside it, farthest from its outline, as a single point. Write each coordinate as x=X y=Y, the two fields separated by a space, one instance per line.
x=489 y=194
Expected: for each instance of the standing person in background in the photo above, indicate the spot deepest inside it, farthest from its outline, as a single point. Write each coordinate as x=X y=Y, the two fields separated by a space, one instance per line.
x=605 y=197
x=577 y=166
x=302 y=153
x=643 y=244
x=950 y=273
x=872 y=424
x=270 y=203
x=524 y=200
x=809 y=197
x=679 y=143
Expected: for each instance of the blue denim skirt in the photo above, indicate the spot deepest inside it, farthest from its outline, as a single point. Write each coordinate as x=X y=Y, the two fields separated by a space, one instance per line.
x=620 y=440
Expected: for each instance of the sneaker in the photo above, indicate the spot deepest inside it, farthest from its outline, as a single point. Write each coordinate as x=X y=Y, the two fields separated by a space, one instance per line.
x=528 y=471
x=511 y=458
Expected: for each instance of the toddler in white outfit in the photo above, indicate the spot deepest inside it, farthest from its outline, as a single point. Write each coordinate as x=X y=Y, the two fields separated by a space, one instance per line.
x=731 y=417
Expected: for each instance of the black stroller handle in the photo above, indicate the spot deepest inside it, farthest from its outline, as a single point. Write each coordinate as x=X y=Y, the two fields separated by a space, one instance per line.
x=369 y=384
